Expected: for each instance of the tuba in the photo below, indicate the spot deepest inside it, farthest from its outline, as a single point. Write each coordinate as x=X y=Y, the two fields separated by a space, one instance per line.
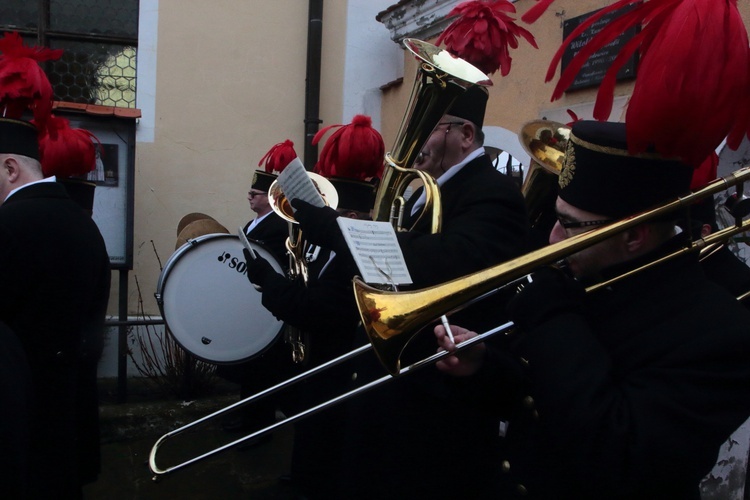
x=441 y=77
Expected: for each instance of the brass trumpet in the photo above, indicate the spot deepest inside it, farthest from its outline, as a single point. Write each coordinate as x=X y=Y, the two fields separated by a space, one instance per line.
x=283 y=208
x=295 y=246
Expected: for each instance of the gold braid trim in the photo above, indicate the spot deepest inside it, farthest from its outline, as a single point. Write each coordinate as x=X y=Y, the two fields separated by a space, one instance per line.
x=615 y=151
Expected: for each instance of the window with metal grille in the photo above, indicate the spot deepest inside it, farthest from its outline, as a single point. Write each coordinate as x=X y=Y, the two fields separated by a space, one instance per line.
x=100 y=40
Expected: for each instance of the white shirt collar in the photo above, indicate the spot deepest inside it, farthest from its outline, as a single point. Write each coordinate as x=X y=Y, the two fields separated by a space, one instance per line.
x=46 y=179
x=447 y=176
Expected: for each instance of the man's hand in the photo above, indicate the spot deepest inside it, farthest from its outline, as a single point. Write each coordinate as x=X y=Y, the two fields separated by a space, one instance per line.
x=319 y=225
x=258 y=268
x=465 y=363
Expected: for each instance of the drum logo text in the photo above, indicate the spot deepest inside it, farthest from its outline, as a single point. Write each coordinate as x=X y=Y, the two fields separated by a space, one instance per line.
x=233 y=262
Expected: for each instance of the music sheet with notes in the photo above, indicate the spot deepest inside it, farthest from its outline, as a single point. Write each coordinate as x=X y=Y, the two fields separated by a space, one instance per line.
x=296 y=184
x=375 y=249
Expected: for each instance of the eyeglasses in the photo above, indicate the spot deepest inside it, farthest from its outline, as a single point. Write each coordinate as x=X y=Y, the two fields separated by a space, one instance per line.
x=576 y=224
x=449 y=124
x=253 y=195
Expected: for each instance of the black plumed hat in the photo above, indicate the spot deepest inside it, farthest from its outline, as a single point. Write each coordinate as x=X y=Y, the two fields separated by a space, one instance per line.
x=471 y=105
x=600 y=176
x=262 y=180
x=19 y=137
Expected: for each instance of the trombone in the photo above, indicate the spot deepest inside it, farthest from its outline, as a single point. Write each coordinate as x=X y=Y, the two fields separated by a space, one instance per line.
x=393 y=318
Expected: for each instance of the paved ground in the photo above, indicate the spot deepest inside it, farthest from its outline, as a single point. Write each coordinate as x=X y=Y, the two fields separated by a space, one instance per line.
x=130 y=430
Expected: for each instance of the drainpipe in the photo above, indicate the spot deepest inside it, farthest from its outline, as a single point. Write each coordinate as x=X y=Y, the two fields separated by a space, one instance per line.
x=312 y=80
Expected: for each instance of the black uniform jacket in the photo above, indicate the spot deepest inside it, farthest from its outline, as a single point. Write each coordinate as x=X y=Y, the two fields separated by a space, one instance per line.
x=54 y=284
x=630 y=398
x=403 y=438
x=325 y=308
x=326 y=312
x=272 y=233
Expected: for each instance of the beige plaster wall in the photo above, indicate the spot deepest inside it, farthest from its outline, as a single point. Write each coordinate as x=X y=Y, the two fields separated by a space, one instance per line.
x=230 y=83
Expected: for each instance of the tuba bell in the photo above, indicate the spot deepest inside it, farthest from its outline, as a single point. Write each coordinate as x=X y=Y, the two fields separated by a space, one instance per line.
x=441 y=78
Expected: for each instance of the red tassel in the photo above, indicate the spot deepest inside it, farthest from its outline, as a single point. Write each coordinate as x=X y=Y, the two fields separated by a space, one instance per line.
x=65 y=151
x=536 y=11
x=23 y=84
x=675 y=108
x=278 y=157
x=354 y=151
x=483 y=33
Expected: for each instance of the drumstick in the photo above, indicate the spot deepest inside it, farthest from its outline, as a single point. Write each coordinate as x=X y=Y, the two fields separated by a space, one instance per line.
x=246 y=243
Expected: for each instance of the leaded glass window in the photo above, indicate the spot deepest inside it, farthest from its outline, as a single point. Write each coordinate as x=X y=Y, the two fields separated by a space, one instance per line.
x=100 y=39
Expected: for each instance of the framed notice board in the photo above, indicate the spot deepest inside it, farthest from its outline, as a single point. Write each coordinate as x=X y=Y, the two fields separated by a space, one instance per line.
x=593 y=71
x=113 y=176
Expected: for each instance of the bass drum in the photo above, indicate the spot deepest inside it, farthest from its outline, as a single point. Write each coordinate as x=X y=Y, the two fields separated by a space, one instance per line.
x=210 y=307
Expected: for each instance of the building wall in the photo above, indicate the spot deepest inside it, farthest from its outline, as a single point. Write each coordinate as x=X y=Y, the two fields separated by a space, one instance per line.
x=219 y=83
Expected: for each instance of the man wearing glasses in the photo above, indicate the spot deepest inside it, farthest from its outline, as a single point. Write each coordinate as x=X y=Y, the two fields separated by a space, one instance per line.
x=395 y=433
x=627 y=391
x=269 y=229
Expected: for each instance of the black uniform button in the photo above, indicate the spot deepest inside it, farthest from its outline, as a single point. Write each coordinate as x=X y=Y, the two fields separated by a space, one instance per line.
x=521 y=489
x=505 y=466
x=528 y=402
x=354 y=376
x=535 y=415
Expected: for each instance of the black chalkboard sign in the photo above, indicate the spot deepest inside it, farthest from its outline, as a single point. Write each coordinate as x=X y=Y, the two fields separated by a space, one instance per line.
x=592 y=72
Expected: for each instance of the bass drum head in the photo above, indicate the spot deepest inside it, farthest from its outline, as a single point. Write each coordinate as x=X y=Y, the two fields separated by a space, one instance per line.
x=210 y=307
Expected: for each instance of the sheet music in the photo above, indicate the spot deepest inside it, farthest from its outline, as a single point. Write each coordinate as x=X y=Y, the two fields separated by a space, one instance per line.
x=375 y=249
x=296 y=184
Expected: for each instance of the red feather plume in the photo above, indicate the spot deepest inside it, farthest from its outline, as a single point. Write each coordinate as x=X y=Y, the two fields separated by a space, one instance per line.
x=483 y=34
x=573 y=116
x=23 y=84
x=354 y=151
x=278 y=157
x=65 y=151
x=536 y=11
x=675 y=107
x=706 y=172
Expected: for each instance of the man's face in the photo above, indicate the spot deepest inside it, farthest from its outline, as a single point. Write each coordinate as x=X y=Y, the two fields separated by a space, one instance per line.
x=589 y=261
x=445 y=147
x=258 y=201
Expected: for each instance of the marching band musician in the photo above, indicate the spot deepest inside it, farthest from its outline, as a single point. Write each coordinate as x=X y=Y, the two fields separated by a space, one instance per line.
x=56 y=308
x=269 y=229
x=627 y=391
x=54 y=284
x=325 y=309
x=394 y=435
